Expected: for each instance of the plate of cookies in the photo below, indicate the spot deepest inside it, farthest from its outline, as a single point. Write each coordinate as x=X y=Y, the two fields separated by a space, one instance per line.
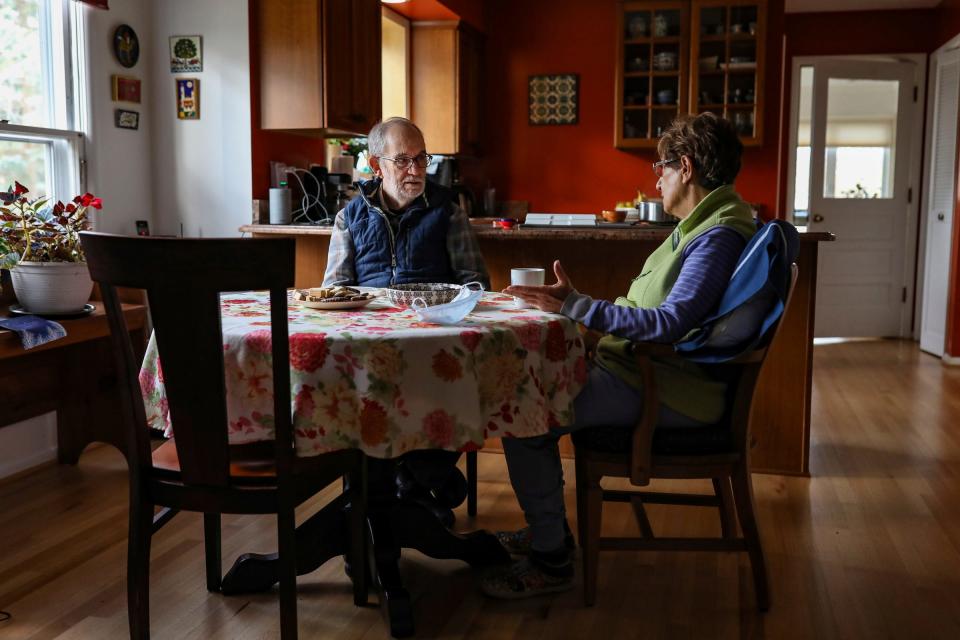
x=328 y=298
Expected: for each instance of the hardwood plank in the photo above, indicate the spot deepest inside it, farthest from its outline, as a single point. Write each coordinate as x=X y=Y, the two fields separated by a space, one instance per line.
x=867 y=547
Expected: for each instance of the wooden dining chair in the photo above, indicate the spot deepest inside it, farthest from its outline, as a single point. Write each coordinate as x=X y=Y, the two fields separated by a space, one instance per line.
x=198 y=470
x=720 y=453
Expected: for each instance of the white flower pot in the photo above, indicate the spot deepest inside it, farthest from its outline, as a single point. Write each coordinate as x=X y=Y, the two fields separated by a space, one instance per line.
x=52 y=287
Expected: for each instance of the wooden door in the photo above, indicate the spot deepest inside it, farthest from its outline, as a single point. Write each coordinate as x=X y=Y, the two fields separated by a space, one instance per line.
x=291 y=67
x=435 y=84
x=470 y=68
x=352 y=82
x=859 y=190
x=940 y=202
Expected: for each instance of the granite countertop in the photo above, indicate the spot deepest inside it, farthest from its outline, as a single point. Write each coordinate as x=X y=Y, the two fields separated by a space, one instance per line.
x=485 y=230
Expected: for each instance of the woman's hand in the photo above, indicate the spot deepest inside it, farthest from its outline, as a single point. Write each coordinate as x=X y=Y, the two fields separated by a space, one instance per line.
x=547 y=297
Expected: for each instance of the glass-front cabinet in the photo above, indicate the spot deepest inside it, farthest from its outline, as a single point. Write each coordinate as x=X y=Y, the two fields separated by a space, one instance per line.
x=652 y=64
x=688 y=56
x=727 y=62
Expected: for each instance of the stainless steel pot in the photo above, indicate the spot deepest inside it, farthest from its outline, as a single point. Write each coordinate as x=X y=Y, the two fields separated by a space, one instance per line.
x=652 y=211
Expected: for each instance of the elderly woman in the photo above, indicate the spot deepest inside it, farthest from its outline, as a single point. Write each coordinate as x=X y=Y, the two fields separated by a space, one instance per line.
x=680 y=284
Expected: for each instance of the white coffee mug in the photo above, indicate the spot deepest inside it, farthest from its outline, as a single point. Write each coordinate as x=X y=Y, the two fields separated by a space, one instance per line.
x=525 y=276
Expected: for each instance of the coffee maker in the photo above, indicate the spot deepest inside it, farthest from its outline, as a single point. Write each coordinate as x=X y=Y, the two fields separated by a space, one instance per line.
x=445 y=172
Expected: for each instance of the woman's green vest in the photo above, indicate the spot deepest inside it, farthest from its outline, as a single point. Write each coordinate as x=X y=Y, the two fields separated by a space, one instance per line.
x=681 y=385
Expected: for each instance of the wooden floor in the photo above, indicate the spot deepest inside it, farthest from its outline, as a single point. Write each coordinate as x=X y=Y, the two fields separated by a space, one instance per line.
x=868 y=547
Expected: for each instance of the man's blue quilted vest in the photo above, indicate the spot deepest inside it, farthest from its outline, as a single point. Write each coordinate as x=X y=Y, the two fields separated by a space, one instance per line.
x=418 y=251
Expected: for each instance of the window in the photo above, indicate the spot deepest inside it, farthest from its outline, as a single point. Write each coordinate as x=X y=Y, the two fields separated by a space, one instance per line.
x=861 y=138
x=40 y=145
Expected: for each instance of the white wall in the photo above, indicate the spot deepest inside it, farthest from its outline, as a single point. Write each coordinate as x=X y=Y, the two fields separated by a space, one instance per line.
x=119 y=168
x=168 y=171
x=120 y=165
x=203 y=176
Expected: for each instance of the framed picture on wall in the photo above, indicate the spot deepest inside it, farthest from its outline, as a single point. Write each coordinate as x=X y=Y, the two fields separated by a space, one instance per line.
x=126 y=45
x=188 y=98
x=124 y=119
x=125 y=89
x=554 y=99
x=185 y=54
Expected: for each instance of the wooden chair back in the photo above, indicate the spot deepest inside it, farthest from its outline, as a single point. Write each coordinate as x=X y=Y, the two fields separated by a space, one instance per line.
x=741 y=374
x=183 y=280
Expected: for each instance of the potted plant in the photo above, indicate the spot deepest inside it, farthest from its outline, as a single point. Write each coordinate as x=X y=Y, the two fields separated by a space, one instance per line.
x=43 y=250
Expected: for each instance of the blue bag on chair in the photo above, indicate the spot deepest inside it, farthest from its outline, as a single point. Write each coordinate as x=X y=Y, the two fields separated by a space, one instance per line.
x=753 y=300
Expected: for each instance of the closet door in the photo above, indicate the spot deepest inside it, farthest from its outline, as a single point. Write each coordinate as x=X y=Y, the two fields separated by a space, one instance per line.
x=940 y=202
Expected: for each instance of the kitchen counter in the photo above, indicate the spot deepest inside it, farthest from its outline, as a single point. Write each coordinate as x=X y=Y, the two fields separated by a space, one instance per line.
x=601 y=263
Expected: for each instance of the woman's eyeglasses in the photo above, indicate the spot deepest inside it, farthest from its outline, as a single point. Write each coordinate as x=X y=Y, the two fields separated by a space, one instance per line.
x=403 y=162
x=658 y=166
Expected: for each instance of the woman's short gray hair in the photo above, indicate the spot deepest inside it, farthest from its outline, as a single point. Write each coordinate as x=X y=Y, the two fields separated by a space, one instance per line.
x=377 y=138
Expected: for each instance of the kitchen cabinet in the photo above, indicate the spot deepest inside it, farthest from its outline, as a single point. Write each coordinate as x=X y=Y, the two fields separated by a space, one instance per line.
x=447 y=64
x=319 y=65
x=689 y=56
x=727 y=61
x=652 y=68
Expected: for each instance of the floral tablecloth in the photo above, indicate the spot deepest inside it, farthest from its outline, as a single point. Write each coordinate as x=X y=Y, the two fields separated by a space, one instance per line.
x=380 y=380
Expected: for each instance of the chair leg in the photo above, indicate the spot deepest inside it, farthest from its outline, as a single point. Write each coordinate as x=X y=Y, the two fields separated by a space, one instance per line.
x=471 y=458
x=211 y=542
x=138 y=569
x=593 y=505
x=287 y=550
x=743 y=495
x=580 y=467
x=641 y=514
x=728 y=522
x=359 y=562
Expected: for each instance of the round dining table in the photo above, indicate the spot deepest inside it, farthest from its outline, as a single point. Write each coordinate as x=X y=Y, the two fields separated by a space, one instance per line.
x=379 y=379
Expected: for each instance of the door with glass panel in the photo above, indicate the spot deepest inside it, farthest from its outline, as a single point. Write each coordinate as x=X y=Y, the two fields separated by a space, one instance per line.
x=859 y=126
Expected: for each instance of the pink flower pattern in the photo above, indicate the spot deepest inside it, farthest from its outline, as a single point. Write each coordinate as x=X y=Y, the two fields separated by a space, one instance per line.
x=381 y=380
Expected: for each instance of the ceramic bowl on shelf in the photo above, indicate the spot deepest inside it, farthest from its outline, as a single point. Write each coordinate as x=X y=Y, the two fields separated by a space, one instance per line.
x=666 y=96
x=665 y=61
x=507 y=223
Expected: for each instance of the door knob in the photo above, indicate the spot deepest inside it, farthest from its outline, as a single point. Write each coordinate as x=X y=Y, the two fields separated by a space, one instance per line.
x=817 y=218
x=940 y=216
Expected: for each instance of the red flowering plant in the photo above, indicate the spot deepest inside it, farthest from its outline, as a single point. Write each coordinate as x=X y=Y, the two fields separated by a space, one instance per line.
x=35 y=231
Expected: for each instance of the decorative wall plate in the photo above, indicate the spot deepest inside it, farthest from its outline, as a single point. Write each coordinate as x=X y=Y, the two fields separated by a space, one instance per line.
x=126 y=45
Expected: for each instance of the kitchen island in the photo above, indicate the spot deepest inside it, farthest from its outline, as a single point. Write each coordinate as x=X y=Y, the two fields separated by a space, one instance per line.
x=601 y=262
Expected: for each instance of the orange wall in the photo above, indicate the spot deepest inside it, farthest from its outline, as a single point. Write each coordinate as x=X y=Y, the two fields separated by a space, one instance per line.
x=575 y=168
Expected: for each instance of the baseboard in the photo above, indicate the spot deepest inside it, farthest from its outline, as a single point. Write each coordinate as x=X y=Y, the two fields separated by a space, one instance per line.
x=26 y=464
x=951 y=360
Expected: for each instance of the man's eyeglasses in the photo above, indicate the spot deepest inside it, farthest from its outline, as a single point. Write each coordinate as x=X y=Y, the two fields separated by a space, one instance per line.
x=403 y=162
x=658 y=166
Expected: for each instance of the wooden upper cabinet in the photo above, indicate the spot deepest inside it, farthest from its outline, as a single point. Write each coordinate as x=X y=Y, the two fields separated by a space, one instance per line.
x=652 y=69
x=689 y=56
x=319 y=65
x=446 y=59
x=728 y=62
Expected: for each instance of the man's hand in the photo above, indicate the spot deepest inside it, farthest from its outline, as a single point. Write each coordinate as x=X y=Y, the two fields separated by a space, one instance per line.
x=548 y=297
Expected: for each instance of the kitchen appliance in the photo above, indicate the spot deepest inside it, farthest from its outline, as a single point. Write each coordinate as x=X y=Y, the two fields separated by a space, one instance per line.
x=445 y=171
x=652 y=211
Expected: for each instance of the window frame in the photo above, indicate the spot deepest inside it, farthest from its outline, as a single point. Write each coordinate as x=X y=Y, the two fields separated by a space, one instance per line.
x=62 y=22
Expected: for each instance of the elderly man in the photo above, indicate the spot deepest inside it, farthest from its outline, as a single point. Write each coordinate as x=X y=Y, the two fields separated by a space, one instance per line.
x=402 y=228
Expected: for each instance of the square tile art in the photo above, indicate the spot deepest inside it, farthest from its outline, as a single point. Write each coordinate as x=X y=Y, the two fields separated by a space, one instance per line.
x=554 y=99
